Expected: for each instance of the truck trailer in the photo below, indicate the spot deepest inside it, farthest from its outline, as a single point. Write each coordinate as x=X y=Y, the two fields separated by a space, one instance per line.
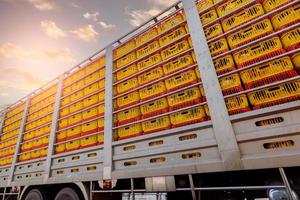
x=199 y=102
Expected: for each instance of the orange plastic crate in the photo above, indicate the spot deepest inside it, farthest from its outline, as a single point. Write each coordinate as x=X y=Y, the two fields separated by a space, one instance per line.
x=129 y=131
x=213 y=30
x=128 y=116
x=270 y=5
x=231 y=84
x=219 y=46
x=60 y=148
x=73 y=132
x=152 y=91
x=155 y=125
x=208 y=16
x=128 y=100
x=150 y=75
x=203 y=5
x=153 y=108
x=186 y=117
x=291 y=39
x=296 y=61
x=72 y=145
x=237 y=104
x=89 y=128
x=61 y=136
x=89 y=141
x=286 y=17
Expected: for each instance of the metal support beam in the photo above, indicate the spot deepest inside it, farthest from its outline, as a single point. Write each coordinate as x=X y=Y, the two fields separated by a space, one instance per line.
x=19 y=140
x=132 y=189
x=192 y=187
x=222 y=126
x=52 y=135
x=108 y=117
x=289 y=190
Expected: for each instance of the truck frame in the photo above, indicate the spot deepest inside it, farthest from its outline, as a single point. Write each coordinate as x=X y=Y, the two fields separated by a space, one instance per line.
x=230 y=147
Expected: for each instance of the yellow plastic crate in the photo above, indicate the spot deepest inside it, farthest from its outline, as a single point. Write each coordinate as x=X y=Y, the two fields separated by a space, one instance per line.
x=91 y=100
x=76 y=107
x=101 y=96
x=124 y=48
x=147 y=49
x=90 y=113
x=73 y=132
x=151 y=75
x=26 y=146
x=128 y=100
x=74 y=119
x=28 y=136
x=152 y=91
x=63 y=123
x=190 y=116
x=101 y=109
x=127 y=116
x=100 y=138
x=101 y=84
x=67 y=81
x=102 y=61
x=270 y=5
x=229 y=6
x=92 y=78
x=128 y=71
x=64 y=112
x=24 y=157
x=88 y=141
x=172 y=36
x=77 y=85
x=149 y=61
x=129 y=131
x=296 y=61
x=242 y=17
x=76 y=96
x=208 y=16
x=66 y=91
x=73 y=145
x=203 y=5
x=257 y=52
x=146 y=36
x=155 y=125
x=78 y=75
x=35 y=154
x=291 y=39
x=237 y=104
x=46 y=129
x=92 y=67
x=184 y=98
x=181 y=80
x=250 y=33
x=286 y=17
x=45 y=141
x=231 y=84
x=90 y=89
x=127 y=85
x=274 y=95
x=178 y=63
x=219 y=46
x=154 y=108
x=60 y=148
x=37 y=143
x=126 y=60
x=90 y=127
x=272 y=71
x=61 y=136
x=65 y=101
x=102 y=72
x=174 y=49
x=213 y=31
x=170 y=22
x=100 y=124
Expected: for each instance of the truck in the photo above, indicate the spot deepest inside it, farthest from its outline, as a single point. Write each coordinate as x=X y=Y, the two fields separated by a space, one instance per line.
x=199 y=102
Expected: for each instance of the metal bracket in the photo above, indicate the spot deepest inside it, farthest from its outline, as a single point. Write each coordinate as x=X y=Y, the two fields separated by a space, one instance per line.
x=222 y=126
x=18 y=145
x=52 y=135
x=108 y=117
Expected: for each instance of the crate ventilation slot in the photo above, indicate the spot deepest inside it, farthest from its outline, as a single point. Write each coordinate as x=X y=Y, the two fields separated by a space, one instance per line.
x=130 y=163
x=279 y=145
x=267 y=122
x=191 y=155
x=188 y=137
x=156 y=143
x=129 y=148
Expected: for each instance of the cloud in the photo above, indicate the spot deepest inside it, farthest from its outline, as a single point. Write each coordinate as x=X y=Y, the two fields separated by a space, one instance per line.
x=137 y=17
x=92 y=16
x=106 y=26
x=42 y=5
x=10 y=50
x=86 y=33
x=160 y=3
x=3 y=94
x=52 y=30
x=23 y=80
x=75 y=5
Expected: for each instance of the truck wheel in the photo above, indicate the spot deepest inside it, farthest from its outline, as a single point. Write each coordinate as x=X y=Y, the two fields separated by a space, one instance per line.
x=36 y=194
x=67 y=194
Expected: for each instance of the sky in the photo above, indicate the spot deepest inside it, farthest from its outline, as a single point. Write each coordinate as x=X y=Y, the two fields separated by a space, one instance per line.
x=40 y=39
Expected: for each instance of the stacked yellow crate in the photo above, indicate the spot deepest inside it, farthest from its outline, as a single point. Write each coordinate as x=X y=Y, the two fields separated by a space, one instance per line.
x=229 y=26
x=155 y=80
x=81 y=117
x=10 y=132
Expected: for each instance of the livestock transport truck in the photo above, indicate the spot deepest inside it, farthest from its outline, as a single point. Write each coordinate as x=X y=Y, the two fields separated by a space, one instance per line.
x=200 y=102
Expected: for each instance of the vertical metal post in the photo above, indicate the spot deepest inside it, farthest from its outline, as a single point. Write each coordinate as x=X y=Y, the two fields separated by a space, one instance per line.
x=19 y=140
x=3 y=197
x=287 y=184
x=132 y=188
x=222 y=126
x=108 y=117
x=192 y=186
x=55 y=117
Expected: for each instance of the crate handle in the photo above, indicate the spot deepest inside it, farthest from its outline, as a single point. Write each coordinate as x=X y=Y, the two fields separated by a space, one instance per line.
x=126 y=112
x=150 y=88
x=173 y=48
x=263 y=67
x=151 y=104
x=153 y=121
x=184 y=113
x=274 y=88
x=181 y=94
x=178 y=77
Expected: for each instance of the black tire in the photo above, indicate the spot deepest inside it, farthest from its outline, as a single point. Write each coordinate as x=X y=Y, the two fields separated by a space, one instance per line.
x=67 y=194
x=36 y=194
